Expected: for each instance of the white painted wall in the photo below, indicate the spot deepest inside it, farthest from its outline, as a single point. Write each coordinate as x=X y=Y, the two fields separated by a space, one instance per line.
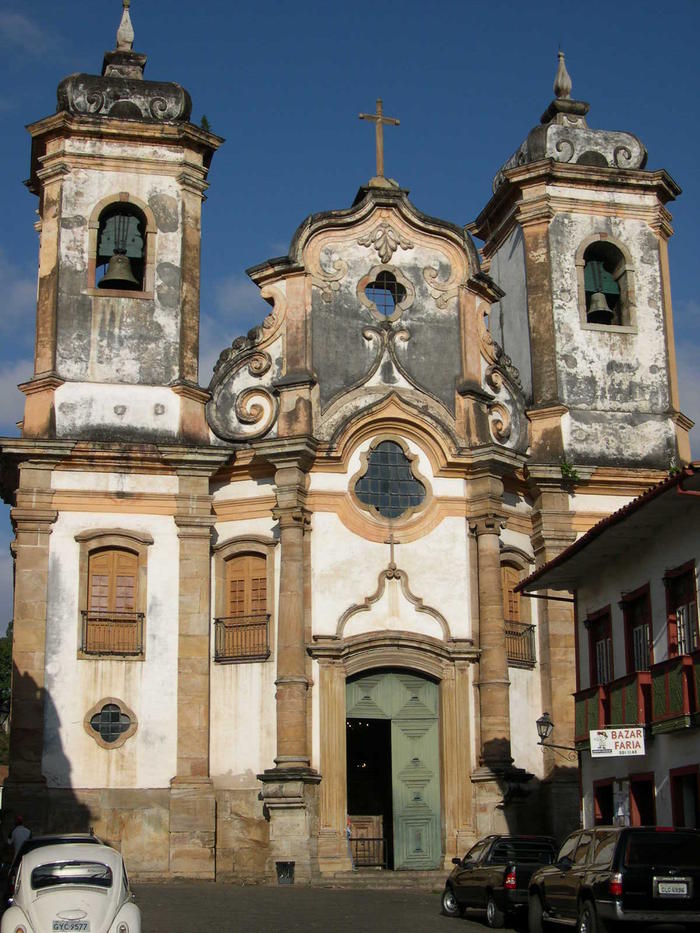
x=243 y=734
x=71 y=758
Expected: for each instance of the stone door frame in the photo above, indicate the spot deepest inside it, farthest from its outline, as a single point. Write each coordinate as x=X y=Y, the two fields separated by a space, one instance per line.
x=446 y=663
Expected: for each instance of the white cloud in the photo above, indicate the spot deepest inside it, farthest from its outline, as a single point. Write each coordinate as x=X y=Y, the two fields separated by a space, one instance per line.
x=22 y=34
x=11 y=399
x=237 y=306
x=18 y=301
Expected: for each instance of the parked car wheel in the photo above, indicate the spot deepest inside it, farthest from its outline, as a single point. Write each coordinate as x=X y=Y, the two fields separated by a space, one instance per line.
x=535 y=923
x=495 y=917
x=450 y=905
x=588 y=919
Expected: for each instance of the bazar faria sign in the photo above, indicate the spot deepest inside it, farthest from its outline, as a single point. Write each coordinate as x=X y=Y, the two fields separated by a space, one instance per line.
x=611 y=743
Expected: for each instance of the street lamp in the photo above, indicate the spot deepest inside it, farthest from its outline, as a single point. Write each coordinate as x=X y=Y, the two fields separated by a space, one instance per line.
x=545 y=727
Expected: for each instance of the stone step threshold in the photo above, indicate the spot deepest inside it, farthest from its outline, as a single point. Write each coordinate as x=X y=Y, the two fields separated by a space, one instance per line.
x=385 y=879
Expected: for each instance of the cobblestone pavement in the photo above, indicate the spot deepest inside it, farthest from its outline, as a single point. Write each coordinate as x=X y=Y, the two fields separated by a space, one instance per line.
x=201 y=907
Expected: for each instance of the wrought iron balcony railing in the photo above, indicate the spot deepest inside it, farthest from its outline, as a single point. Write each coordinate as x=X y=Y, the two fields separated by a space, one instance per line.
x=520 y=643
x=112 y=633
x=241 y=638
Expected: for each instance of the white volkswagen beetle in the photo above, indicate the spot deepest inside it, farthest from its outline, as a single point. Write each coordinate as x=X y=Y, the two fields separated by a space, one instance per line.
x=74 y=888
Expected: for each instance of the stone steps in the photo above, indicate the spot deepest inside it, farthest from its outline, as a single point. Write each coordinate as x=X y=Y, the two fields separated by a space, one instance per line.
x=386 y=880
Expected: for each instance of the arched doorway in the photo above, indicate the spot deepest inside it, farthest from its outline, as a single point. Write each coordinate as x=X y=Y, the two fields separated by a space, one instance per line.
x=393 y=769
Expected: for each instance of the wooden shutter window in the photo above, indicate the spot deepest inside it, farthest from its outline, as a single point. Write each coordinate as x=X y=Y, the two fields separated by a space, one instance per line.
x=510 y=577
x=112 y=582
x=246 y=586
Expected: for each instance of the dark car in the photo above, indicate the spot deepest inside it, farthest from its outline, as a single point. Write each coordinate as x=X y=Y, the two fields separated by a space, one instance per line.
x=494 y=876
x=631 y=876
x=35 y=842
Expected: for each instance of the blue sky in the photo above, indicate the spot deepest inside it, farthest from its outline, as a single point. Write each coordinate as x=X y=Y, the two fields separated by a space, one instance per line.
x=284 y=84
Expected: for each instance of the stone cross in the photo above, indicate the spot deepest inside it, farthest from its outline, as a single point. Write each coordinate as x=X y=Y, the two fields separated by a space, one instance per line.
x=391 y=541
x=379 y=121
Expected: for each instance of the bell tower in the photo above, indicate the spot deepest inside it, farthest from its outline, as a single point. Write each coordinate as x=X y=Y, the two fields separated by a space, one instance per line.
x=576 y=233
x=120 y=174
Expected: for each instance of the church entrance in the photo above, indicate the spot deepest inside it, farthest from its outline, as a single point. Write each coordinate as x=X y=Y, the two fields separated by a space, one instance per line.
x=393 y=769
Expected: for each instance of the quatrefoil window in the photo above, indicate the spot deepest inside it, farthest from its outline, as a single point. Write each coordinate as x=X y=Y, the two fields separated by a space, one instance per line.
x=110 y=723
x=389 y=485
x=385 y=293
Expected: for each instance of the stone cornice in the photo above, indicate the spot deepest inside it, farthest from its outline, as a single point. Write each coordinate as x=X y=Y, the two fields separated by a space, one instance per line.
x=495 y=220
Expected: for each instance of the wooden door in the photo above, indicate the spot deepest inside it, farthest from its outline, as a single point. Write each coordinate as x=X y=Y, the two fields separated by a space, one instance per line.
x=411 y=703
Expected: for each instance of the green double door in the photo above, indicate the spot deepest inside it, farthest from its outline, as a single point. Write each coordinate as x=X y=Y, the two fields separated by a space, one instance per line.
x=411 y=704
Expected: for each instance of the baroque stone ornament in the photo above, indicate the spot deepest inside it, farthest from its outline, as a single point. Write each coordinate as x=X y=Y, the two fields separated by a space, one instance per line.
x=506 y=409
x=239 y=410
x=329 y=274
x=441 y=290
x=391 y=572
x=386 y=241
x=124 y=98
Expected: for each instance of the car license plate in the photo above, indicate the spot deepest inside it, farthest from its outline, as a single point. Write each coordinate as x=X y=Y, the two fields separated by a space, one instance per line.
x=71 y=926
x=673 y=888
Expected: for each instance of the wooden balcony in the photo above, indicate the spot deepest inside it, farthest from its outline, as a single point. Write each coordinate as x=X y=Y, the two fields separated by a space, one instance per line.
x=630 y=700
x=592 y=711
x=674 y=693
x=241 y=638
x=520 y=644
x=118 y=634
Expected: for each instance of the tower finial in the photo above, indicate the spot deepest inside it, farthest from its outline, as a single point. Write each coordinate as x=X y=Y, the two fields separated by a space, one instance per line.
x=562 y=81
x=125 y=33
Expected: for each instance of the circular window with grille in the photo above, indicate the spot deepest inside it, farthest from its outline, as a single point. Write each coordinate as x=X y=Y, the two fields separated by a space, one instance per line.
x=110 y=723
x=388 y=483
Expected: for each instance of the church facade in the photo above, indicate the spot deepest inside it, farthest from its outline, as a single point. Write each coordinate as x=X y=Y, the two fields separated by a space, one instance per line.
x=250 y=615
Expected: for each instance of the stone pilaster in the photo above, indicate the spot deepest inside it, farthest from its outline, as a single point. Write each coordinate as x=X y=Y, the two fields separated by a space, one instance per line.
x=290 y=789
x=32 y=518
x=552 y=532
x=332 y=843
x=192 y=800
x=494 y=684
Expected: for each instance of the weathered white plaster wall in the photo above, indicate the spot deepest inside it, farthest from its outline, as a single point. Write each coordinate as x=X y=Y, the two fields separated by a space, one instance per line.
x=508 y=320
x=243 y=732
x=130 y=407
x=346 y=567
x=71 y=758
x=620 y=374
x=525 y=708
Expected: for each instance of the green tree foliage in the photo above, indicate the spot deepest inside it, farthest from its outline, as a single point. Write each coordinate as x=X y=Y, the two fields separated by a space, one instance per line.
x=205 y=124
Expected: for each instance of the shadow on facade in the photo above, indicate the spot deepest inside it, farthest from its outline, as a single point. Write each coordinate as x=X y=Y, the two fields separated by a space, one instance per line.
x=532 y=805
x=44 y=808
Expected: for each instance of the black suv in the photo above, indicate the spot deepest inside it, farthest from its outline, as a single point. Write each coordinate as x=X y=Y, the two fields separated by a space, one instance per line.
x=494 y=875
x=635 y=876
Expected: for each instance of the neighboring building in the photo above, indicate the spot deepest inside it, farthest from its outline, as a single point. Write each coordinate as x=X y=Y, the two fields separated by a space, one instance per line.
x=234 y=604
x=635 y=580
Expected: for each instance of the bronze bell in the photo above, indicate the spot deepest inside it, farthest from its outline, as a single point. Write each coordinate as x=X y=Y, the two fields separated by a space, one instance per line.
x=119 y=274
x=598 y=311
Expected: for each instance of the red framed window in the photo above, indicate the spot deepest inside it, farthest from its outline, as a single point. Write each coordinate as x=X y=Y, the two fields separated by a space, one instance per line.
x=636 y=611
x=600 y=649
x=642 y=799
x=603 y=802
x=682 y=609
x=685 y=796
